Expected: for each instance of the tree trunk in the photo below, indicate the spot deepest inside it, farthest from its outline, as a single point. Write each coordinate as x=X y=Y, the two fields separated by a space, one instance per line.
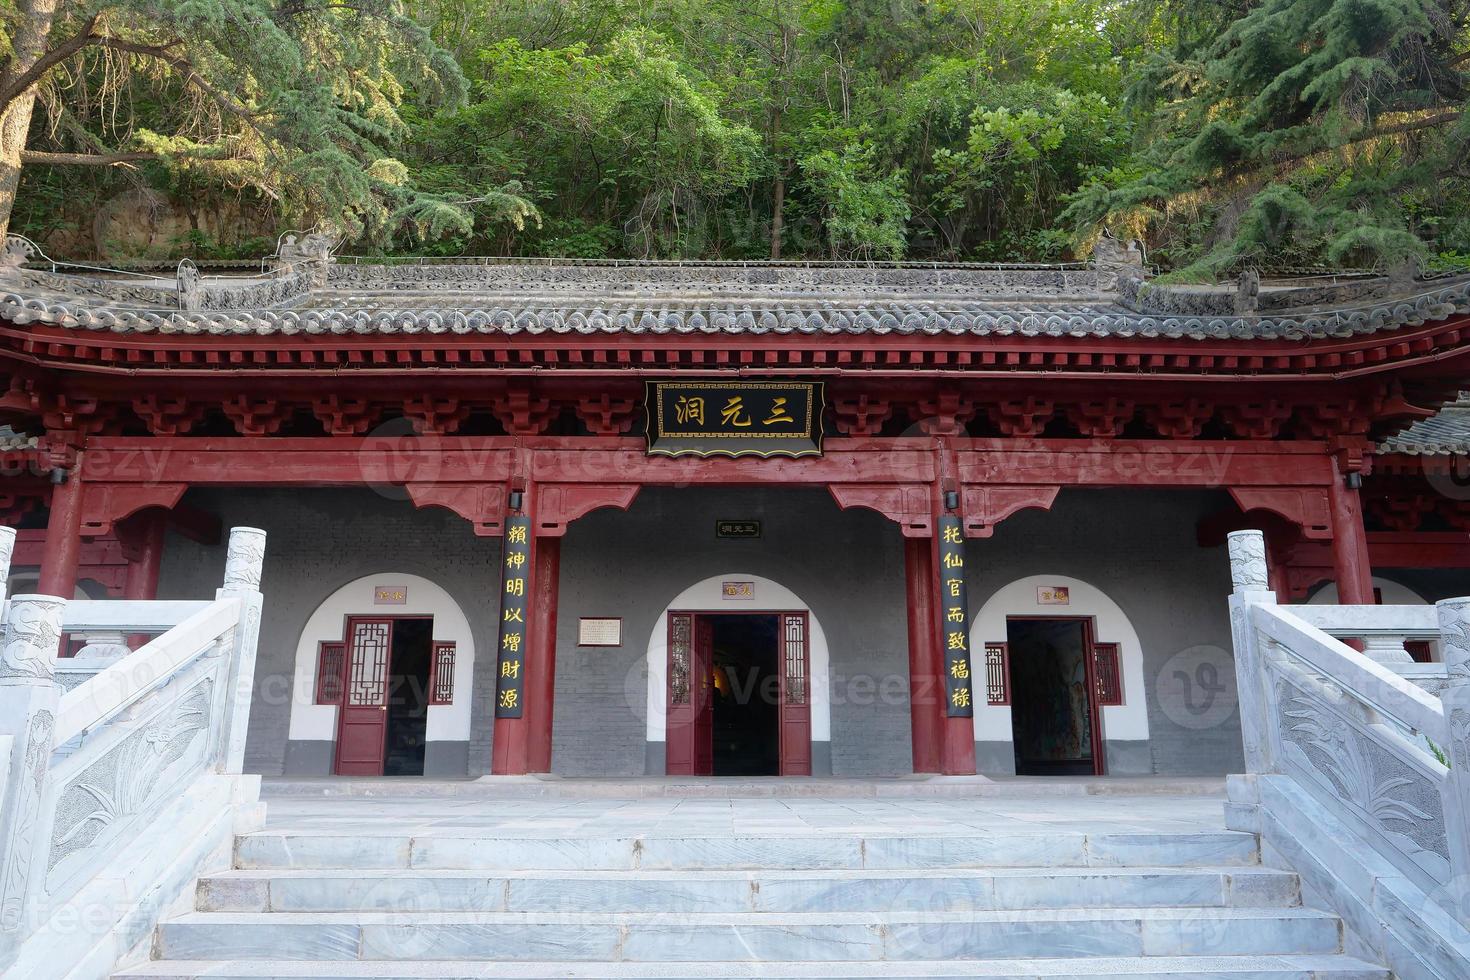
x=15 y=123
x=778 y=200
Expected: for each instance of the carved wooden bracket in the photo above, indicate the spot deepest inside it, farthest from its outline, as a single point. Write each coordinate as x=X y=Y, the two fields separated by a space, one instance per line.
x=84 y=416
x=482 y=504
x=946 y=414
x=104 y=504
x=910 y=506
x=1103 y=419
x=1455 y=513
x=1256 y=420
x=608 y=416
x=861 y=416
x=1326 y=420
x=13 y=506
x=344 y=416
x=522 y=414
x=435 y=416
x=1401 y=513
x=1022 y=417
x=1307 y=507
x=558 y=504
x=167 y=416
x=256 y=416
x=1302 y=579
x=1181 y=419
x=986 y=506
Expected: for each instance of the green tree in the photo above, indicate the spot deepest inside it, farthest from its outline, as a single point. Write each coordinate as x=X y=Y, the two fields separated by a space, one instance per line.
x=1305 y=130
x=298 y=101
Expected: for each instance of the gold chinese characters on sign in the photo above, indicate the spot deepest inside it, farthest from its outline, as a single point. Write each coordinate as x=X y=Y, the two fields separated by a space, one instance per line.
x=735 y=418
x=515 y=589
x=954 y=617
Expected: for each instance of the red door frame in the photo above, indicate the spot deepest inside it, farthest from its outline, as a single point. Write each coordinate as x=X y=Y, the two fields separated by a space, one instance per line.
x=1089 y=662
x=694 y=721
x=343 y=707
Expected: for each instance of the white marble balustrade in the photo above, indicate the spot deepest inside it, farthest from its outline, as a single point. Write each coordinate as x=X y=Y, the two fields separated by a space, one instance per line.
x=120 y=771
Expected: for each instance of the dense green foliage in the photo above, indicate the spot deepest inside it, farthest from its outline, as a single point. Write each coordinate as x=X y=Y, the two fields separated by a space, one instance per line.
x=1223 y=134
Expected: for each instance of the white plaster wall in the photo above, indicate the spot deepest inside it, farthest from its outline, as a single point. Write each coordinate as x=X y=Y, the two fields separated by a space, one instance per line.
x=1124 y=722
x=1394 y=594
x=446 y=722
x=706 y=596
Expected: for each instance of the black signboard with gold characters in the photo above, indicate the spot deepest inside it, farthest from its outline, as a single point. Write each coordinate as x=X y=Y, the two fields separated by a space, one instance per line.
x=735 y=418
x=515 y=588
x=954 y=617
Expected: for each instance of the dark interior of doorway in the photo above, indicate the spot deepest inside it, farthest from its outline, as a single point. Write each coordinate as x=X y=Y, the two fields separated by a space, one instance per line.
x=746 y=722
x=1051 y=706
x=408 y=696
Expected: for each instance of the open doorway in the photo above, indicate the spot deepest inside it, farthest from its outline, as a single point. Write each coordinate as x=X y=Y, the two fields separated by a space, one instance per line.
x=382 y=724
x=1054 y=715
x=408 y=697
x=746 y=696
x=739 y=695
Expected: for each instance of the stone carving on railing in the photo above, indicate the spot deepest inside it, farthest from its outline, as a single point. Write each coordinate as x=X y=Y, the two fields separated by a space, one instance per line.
x=28 y=704
x=152 y=744
x=1354 y=769
x=1249 y=571
x=125 y=781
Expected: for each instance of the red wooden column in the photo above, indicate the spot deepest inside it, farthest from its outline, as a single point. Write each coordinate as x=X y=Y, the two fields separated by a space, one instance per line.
x=63 y=549
x=926 y=687
x=541 y=655
x=1350 y=561
x=144 y=558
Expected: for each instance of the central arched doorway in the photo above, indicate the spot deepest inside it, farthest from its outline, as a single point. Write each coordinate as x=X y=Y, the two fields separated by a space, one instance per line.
x=737 y=680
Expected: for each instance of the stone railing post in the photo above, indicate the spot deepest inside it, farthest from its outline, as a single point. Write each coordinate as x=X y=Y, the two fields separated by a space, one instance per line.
x=243 y=566
x=28 y=700
x=1251 y=586
x=7 y=548
x=1454 y=633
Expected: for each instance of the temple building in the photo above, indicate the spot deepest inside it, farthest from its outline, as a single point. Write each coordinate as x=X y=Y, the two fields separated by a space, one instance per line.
x=759 y=519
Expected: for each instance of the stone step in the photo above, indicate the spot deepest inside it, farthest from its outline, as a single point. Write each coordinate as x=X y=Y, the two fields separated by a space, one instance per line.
x=1329 y=967
x=745 y=891
x=269 y=850
x=695 y=936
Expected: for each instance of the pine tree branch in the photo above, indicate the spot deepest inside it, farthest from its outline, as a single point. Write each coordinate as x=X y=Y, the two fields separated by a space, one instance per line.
x=48 y=60
x=84 y=159
x=190 y=74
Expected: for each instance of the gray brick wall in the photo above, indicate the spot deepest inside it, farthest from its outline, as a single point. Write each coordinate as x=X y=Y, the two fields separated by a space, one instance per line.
x=847 y=565
x=1139 y=547
x=318 y=541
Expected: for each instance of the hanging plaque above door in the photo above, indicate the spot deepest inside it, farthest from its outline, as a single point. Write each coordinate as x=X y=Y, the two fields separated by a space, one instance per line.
x=735 y=418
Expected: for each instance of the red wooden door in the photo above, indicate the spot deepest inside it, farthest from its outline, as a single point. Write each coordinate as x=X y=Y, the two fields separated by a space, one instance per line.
x=796 y=707
x=689 y=729
x=1094 y=713
x=363 y=718
x=704 y=693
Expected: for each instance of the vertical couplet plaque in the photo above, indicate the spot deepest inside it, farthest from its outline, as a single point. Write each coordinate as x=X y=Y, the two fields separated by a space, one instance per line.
x=954 y=617
x=515 y=588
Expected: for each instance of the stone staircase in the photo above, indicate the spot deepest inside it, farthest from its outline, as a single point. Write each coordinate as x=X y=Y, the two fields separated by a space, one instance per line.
x=325 y=903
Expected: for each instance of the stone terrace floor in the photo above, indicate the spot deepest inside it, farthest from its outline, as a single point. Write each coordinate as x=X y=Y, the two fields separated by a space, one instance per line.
x=422 y=808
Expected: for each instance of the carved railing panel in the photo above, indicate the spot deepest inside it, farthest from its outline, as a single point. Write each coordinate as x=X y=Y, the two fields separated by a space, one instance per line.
x=1387 y=759
x=88 y=774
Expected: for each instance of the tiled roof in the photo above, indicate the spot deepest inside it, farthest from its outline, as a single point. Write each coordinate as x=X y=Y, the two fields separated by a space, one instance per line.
x=1447 y=433
x=509 y=297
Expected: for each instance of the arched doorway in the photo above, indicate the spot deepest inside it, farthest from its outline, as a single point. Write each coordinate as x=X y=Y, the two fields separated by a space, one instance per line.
x=1063 y=682
x=737 y=681
x=383 y=681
